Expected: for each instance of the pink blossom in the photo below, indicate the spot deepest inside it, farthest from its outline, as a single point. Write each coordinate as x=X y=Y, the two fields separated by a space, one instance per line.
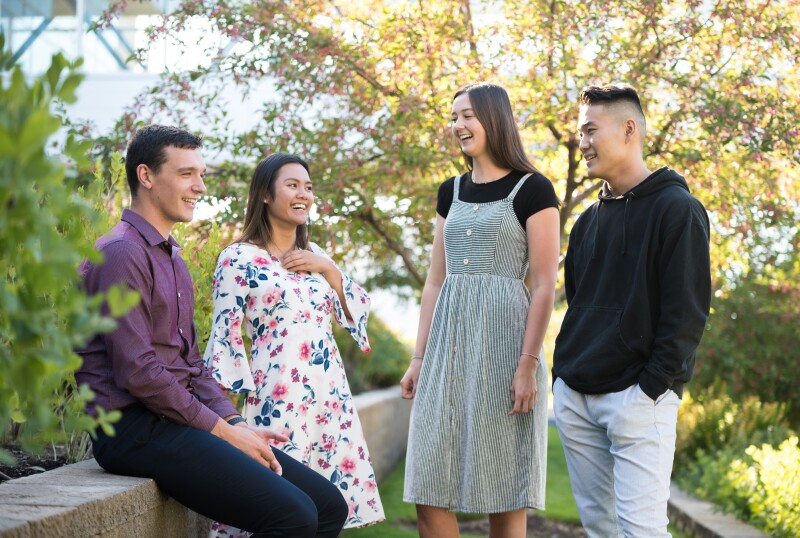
x=370 y=485
x=305 y=351
x=271 y=296
x=258 y=377
x=279 y=391
x=348 y=465
x=260 y=261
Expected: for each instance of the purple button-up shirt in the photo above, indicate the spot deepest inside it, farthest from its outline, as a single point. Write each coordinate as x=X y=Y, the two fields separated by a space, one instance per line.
x=152 y=356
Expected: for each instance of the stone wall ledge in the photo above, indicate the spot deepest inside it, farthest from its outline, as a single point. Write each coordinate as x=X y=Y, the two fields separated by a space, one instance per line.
x=702 y=519
x=82 y=500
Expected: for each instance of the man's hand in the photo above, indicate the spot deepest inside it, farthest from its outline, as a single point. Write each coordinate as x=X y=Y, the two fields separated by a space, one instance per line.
x=251 y=440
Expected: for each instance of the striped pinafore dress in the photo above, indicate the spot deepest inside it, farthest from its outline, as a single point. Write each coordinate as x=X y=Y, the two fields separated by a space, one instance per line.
x=465 y=453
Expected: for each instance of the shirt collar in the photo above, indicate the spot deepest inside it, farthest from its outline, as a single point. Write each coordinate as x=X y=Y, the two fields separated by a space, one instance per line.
x=147 y=230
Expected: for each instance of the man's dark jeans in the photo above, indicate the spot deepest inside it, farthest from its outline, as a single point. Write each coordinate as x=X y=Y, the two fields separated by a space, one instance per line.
x=217 y=480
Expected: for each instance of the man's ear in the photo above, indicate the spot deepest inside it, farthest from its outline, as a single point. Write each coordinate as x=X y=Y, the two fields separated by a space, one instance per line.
x=631 y=130
x=144 y=175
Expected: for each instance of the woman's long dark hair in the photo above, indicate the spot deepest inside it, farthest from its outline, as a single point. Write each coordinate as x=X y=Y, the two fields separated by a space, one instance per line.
x=257 y=228
x=492 y=107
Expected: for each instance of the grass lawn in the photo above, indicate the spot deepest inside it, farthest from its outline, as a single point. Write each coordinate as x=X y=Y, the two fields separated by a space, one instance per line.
x=401 y=518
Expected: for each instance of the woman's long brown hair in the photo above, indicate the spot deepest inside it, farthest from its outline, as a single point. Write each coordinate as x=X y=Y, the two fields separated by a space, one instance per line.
x=492 y=107
x=257 y=228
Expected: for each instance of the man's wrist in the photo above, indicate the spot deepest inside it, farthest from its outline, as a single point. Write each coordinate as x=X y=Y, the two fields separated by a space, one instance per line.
x=233 y=421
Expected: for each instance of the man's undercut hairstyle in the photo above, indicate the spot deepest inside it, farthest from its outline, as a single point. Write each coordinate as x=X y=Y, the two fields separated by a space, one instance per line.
x=613 y=94
x=148 y=146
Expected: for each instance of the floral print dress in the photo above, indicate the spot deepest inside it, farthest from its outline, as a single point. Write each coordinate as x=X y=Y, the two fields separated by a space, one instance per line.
x=294 y=378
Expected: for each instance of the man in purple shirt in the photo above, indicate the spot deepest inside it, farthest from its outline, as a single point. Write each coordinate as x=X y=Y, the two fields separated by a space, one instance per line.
x=177 y=426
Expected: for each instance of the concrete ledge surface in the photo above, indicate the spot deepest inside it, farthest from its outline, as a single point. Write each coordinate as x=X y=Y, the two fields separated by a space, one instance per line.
x=83 y=500
x=702 y=520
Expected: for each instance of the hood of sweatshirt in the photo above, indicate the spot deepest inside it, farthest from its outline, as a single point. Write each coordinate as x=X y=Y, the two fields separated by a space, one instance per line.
x=658 y=180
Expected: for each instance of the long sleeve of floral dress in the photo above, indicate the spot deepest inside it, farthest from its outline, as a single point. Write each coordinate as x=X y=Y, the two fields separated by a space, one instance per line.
x=358 y=303
x=294 y=375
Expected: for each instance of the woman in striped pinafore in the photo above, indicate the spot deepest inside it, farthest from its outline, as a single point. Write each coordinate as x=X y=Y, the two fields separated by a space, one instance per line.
x=478 y=436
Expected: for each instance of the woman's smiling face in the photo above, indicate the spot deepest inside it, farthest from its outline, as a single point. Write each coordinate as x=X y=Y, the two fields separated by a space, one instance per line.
x=466 y=128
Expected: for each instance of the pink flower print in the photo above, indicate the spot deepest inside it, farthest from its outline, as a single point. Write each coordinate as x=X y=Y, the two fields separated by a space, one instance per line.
x=279 y=392
x=327 y=442
x=323 y=464
x=290 y=406
x=273 y=323
x=241 y=281
x=226 y=262
x=370 y=485
x=321 y=419
x=355 y=481
x=271 y=296
x=336 y=409
x=371 y=503
x=251 y=303
x=348 y=465
x=367 y=349
x=282 y=368
x=259 y=377
x=305 y=351
x=237 y=363
x=302 y=410
x=351 y=508
x=305 y=379
x=260 y=261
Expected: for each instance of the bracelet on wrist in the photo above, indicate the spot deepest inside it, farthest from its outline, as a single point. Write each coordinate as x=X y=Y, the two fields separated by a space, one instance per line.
x=531 y=355
x=236 y=420
x=416 y=357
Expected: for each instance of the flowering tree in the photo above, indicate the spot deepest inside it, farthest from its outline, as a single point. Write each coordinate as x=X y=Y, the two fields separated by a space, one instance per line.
x=363 y=90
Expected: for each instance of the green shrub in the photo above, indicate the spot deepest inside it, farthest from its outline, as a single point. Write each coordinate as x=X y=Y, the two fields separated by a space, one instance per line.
x=718 y=458
x=383 y=366
x=769 y=486
x=43 y=238
x=751 y=344
x=709 y=422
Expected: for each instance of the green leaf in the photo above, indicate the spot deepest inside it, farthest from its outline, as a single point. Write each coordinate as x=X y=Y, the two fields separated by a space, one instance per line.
x=120 y=300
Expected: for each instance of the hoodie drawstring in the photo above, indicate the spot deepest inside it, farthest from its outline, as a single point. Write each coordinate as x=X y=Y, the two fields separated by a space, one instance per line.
x=628 y=198
x=596 y=229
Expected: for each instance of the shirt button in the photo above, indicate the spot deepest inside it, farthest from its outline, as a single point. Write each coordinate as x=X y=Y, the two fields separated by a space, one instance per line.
x=179 y=294
x=475 y=207
x=469 y=233
x=466 y=261
x=455 y=349
x=180 y=331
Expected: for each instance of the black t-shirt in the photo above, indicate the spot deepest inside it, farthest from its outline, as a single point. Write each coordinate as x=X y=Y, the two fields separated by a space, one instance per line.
x=536 y=193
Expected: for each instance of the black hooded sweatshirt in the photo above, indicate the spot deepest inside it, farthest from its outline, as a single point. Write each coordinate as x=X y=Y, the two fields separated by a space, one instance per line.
x=638 y=286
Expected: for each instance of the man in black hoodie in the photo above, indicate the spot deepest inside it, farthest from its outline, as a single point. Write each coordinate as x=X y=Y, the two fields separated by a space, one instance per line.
x=638 y=286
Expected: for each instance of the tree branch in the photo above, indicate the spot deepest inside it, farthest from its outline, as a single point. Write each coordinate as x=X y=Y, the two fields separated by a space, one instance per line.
x=368 y=218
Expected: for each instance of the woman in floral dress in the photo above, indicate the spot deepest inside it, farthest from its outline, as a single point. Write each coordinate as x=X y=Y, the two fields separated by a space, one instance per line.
x=284 y=292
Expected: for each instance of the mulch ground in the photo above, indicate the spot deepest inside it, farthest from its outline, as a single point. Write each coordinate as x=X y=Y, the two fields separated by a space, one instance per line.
x=28 y=465
x=537 y=526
